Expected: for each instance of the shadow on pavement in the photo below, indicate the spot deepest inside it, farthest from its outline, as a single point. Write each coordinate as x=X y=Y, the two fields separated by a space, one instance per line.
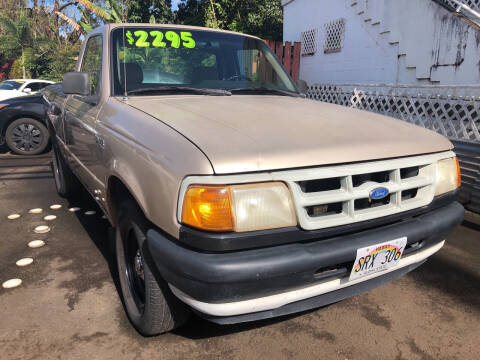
x=22 y=167
x=4 y=149
x=452 y=279
x=471 y=225
x=198 y=328
x=98 y=229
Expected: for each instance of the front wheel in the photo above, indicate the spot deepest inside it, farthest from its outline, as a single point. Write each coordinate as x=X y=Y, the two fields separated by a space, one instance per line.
x=149 y=303
x=27 y=136
x=66 y=183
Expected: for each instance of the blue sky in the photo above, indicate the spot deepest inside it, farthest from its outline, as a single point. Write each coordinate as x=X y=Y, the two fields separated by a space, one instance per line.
x=175 y=4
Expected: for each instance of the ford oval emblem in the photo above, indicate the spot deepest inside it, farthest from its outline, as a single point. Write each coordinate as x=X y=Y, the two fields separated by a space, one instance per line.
x=379 y=193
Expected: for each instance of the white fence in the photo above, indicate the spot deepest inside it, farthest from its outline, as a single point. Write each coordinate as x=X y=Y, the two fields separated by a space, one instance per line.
x=453 y=111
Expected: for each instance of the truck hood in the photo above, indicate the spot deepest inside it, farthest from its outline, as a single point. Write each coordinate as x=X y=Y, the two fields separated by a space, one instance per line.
x=248 y=133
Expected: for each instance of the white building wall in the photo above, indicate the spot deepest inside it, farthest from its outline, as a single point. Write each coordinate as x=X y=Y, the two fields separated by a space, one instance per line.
x=407 y=42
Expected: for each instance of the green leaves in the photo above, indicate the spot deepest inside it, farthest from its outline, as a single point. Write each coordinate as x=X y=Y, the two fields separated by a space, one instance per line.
x=97 y=10
x=146 y=11
x=261 y=18
x=7 y=25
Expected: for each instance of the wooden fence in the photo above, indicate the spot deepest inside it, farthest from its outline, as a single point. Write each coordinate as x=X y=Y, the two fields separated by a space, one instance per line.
x=289 y=56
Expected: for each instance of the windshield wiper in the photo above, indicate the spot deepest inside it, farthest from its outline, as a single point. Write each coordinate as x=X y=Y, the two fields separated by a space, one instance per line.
x=266 y=90
x=182 y=89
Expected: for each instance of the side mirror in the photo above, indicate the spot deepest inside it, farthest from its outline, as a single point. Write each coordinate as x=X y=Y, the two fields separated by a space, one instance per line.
x=76 y=83
x=27 y=90
x=302 y=86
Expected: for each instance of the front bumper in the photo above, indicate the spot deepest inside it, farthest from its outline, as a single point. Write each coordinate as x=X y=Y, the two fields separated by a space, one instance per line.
x=253 y=284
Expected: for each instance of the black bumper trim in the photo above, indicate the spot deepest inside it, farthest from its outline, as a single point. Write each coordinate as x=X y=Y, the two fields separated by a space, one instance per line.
x=219 y=242
x=314 y=302
x=241 y=275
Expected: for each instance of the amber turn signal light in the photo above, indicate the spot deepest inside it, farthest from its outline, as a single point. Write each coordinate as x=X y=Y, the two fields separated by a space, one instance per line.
x=208 y=208
x=459 y=175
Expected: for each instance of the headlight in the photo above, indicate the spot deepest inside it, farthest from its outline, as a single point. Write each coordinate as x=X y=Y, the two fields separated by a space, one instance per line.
x=448 y=176
x=238 y=208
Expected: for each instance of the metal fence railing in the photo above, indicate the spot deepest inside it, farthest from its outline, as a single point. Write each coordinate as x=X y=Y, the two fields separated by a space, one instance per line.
x=469 y=10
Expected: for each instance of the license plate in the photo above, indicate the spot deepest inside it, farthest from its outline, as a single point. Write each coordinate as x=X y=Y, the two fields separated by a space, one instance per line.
x=378 y=257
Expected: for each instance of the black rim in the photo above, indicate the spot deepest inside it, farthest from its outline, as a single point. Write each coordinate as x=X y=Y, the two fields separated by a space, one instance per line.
x=135 y=270
x=27 y=137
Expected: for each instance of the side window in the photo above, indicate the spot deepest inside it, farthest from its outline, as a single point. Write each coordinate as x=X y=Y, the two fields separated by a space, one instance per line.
x=43 y=85
x=32 y=86
x=92 y=63
x=36 y=86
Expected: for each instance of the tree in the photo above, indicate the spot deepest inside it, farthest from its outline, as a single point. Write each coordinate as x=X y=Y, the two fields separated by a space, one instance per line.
x=91 y=14
x=144 y=11
x=260 y=18
x=16 y=38
x=191 y=12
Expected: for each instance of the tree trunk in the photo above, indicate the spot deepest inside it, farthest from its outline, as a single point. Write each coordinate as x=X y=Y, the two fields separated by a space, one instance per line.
x=24 y=75
x=213 y=12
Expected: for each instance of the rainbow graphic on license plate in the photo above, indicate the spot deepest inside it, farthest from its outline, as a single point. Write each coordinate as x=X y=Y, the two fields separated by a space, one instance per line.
x=377 y=257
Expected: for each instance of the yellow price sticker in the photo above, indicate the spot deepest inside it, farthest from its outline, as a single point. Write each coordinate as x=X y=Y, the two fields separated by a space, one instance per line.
x=160 y=39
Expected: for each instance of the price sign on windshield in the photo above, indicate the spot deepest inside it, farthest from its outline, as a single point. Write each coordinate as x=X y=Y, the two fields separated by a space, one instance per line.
x=159 y=39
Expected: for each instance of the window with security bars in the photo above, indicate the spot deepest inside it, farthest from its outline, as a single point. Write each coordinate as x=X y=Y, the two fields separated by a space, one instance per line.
x=334 y=35
x=309 y=42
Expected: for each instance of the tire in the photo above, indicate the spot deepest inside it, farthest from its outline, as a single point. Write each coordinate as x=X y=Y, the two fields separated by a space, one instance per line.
x=65 y=181
x=27 y=136
x=148 y=301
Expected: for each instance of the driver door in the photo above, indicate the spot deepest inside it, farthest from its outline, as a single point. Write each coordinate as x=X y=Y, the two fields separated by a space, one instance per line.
x=81 y=115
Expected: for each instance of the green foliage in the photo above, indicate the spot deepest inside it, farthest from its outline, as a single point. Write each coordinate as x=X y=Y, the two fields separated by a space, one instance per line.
x=53 y=59
x=16 y=41
x=16 y=70
x=260 y=18
x=145 y=11
x=192 y=12
x=64 y=62
x=15 y=36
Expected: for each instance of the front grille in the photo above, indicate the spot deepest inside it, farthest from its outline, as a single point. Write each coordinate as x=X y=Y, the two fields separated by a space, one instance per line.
x=339 y=195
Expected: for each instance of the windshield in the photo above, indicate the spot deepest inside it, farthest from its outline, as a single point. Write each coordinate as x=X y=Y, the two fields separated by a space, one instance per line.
x=176 y=57
x=11 y=85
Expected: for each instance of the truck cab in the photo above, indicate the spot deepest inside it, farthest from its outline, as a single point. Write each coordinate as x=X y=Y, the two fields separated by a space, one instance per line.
x=231 y=194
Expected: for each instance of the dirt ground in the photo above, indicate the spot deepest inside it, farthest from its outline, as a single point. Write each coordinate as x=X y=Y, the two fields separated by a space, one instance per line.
x=68 y=305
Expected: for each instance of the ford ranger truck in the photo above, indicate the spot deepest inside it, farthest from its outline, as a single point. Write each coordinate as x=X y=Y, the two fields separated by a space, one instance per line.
x=231 y=194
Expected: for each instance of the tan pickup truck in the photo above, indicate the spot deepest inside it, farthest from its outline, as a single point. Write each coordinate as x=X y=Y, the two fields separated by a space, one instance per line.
x=232 y=195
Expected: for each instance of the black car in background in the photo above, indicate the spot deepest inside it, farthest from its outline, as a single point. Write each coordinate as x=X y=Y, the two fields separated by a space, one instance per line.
x=22 y=124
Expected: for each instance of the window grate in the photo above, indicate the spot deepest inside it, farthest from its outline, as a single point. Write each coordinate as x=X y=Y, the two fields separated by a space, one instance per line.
x=309 y=42
x=472 y=4
x=334 y=35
